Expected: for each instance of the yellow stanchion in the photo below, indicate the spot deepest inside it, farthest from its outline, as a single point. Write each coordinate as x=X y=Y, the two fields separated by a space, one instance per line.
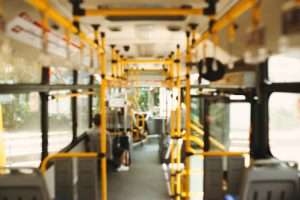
x=137 y=87
x=117 y=64
x=113 y=60
x=43 y=167
x=187 y=161
x=2 y=148
x=178 y=120
x=103 y=122
x=172 y=128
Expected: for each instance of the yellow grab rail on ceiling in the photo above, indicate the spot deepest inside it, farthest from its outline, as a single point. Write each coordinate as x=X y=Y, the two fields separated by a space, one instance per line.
x=50 y=12
x=232 y=14
x=143 y=12
x=144 y=61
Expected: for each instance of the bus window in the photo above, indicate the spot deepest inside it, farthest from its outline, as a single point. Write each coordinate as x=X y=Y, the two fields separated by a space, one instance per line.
x=83 y=78
x=284 y=69
x=284 y=125
x=82 y=114
x=17 y=70
x=143 y=99
x=219 y=125
x=196 y=109
x=60 y=122
x=60 y=75
x=229 y=124
x=239 y=126
x=96 y=103
x=21 y=129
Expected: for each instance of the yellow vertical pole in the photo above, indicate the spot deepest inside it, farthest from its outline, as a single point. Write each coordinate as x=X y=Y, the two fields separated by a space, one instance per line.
x=113 y=60
x=131 y=110
x=122 y=71
x=137 y=87
x=188 y=115
x=2 y=148
x=103 y=121
x=1 y=8
x=121 y=67
x=117 y=65
x=178 y=119
x=172 y=127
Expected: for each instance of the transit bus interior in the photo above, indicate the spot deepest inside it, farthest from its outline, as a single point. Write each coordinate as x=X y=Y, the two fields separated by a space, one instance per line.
x=156 y=99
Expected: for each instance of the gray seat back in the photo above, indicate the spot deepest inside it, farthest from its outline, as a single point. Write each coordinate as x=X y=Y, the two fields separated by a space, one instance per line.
x=270 y=179
x=235 y=169
x=64 y=189
x=87 y=179
x=213 y=176
x=23 y=183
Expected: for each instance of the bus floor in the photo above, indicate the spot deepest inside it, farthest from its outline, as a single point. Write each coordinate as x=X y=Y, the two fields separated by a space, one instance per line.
x=145 y=179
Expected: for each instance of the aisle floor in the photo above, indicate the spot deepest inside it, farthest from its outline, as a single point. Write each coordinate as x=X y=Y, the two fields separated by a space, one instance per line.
x=144 y=181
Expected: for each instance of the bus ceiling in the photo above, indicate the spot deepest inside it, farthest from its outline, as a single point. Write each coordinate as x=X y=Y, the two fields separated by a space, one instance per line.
x=134 y=24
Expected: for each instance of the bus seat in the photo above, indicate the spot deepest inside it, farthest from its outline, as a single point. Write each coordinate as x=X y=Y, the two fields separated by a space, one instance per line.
x=213 y=176
x=87 y=179
x=236 y=166
x=64 y=188
x=23 y=184
x=270 y=179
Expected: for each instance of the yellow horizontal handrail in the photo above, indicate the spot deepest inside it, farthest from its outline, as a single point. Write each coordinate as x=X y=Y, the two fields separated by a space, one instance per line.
x=197 y=124
x=72 y=95
x=145 y=70
x=144 y=61
x=195 y=139
x=143 y=12
x=65 y=155
x=211 y=139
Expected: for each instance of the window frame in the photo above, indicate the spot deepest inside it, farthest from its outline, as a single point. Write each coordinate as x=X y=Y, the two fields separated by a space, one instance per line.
x=43 y=89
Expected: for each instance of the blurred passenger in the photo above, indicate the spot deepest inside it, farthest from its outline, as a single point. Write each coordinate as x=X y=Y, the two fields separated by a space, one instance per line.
x=121 y=152
x=94 y=138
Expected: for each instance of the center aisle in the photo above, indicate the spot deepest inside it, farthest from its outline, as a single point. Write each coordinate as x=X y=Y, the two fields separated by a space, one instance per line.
x=145 y=179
